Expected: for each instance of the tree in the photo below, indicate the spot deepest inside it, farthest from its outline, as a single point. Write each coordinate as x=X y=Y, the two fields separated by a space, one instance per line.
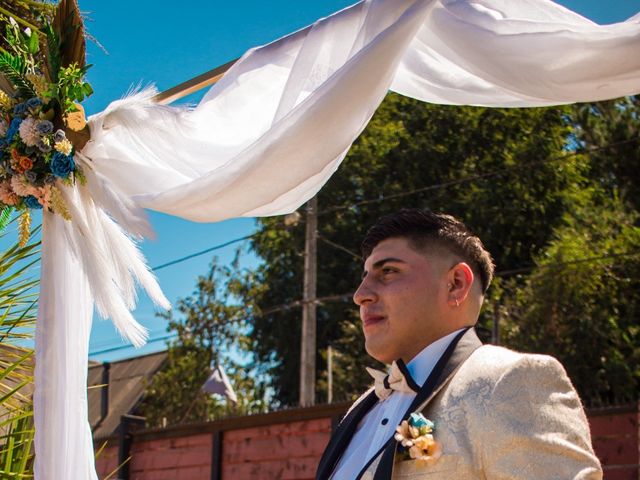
x=210 y=330
x=581 y=303
x=609 y=132
x=463 y=160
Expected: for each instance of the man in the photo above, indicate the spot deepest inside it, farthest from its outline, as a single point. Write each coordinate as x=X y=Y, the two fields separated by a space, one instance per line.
x=486 y=412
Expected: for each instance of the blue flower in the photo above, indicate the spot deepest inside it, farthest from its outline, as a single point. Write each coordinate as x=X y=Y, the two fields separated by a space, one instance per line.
x=13 y=129
x=62 y=165
x=32 y=202
x=20 y=109
x=33 y=102
x=44 y=126
x=418 y=420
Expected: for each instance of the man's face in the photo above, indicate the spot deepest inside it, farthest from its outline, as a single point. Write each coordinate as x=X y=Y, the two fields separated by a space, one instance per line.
x=402 y=298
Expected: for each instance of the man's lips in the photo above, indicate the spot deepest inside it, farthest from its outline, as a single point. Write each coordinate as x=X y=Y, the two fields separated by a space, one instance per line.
x=368 y=320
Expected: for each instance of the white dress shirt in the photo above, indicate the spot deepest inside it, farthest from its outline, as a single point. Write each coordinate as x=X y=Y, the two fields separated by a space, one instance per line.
x=380 y=423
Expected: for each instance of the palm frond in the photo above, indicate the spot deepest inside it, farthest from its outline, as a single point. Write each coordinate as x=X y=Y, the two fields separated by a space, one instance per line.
x=16 y=452
x=14 y=69
x=5 y=217
x=17 y=317
x=53 y=47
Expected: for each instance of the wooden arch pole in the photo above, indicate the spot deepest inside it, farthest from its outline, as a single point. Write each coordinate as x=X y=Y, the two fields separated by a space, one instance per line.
x=190 y=86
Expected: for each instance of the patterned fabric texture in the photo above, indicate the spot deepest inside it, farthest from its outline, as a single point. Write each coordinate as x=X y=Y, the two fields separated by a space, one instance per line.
x=506 y=415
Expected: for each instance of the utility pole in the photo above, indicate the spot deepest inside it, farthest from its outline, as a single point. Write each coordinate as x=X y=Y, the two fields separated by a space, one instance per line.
x=308 y=340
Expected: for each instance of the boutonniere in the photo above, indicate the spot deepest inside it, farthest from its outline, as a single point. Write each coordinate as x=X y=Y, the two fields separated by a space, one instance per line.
x=415 y=437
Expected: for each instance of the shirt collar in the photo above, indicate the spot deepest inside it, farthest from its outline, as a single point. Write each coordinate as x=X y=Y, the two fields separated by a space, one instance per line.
x=421 y=365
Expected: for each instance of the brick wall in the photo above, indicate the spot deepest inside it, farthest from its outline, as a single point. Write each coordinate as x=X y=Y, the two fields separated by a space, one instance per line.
x=179 y=458
x=107 y=458
x=287 y=445
x=615 y=437
x=286 y=450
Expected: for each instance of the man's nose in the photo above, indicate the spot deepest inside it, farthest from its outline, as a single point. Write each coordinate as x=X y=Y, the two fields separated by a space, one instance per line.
x=364 y=293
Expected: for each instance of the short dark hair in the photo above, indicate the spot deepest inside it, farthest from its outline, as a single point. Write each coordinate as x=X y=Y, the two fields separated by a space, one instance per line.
x=424 y=228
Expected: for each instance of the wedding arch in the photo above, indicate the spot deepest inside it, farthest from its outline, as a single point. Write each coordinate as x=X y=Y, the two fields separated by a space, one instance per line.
x=227 y=156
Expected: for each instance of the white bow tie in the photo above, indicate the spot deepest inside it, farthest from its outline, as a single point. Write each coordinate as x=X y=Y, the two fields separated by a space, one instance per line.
x=398 y=379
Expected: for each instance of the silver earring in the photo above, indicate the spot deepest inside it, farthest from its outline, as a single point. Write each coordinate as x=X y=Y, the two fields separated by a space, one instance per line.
x=457 y=303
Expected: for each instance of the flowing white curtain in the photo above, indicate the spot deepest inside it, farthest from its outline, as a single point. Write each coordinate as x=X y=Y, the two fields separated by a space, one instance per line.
x=267 y=137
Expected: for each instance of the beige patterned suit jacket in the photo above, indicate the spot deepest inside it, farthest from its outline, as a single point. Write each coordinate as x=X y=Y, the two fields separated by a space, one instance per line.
x=502 y=415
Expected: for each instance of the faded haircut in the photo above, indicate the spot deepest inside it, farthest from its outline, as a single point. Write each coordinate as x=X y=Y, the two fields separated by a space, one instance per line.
x=425 y=229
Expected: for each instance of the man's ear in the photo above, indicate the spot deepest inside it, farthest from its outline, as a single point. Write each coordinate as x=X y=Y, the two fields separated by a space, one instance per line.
x=459 y=283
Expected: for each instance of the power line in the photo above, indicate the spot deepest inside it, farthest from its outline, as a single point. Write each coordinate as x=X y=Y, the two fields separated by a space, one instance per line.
x=122 y=347
x=515 y=271
x=197 y=254
x=339 y=247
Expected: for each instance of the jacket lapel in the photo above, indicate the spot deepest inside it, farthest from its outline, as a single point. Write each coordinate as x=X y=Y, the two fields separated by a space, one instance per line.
x=466 y=345
x=459 y=350
x=342 y=436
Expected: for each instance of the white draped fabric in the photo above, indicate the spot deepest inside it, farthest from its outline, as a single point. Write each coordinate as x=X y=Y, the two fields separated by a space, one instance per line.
x=267 y=137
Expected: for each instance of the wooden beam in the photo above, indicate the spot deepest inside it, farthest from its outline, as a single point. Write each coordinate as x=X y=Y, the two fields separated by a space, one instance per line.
x=193 y=85
x=216 y=455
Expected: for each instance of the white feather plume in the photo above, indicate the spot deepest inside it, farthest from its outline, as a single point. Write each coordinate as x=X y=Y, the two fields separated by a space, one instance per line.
x=125 y=211
x=111 y=261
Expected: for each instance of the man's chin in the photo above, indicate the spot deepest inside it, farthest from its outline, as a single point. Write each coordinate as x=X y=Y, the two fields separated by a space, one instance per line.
x=378 y=352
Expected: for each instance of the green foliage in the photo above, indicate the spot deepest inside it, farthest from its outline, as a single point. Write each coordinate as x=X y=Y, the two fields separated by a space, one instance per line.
x=54 y=60
x=210 y=326
x=24 y=43
x=16 y=457
x=15 y=68
x=25 y=59
x=580 y=303
x=17 y=319
x=71 y=87
x=609 y=132
x=5 y=217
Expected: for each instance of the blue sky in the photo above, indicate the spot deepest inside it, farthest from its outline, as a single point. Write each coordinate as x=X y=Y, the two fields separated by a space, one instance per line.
x=166 y=43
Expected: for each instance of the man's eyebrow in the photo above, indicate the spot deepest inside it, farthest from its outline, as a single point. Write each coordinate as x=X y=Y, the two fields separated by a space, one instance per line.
x=380 y=264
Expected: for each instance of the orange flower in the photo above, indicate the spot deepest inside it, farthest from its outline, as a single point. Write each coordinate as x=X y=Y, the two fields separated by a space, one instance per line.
x=15 y=155
x=25 y=164
x=425 y=449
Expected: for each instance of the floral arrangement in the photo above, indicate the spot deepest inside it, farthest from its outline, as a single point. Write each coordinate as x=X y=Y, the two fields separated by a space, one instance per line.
x=416 y=439
x=38 y=109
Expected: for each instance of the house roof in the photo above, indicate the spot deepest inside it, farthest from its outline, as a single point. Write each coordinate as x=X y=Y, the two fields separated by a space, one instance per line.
x=125 y=382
